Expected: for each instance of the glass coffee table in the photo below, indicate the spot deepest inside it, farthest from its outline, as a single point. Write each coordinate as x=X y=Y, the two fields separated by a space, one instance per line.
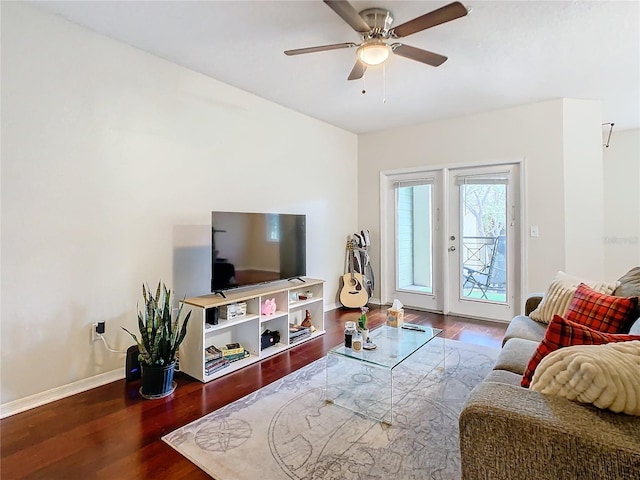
x=362 y=380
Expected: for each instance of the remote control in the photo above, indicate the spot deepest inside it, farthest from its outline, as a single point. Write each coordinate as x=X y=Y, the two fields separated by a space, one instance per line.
x=413 y=327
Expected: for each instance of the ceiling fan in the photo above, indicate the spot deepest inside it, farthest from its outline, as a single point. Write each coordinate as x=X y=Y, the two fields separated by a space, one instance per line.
x=374 y=26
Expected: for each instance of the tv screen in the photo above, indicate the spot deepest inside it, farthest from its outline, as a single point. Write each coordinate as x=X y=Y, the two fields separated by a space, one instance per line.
x=251 y=248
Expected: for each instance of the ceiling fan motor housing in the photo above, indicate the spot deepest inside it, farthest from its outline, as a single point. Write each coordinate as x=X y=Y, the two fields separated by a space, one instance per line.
x=379 y=20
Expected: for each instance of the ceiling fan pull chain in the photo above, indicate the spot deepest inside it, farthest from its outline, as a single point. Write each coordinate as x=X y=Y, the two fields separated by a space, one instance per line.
x=364 y=84
x=384 y=83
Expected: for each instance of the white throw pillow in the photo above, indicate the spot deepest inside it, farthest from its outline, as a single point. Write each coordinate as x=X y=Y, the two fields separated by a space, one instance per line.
x=558 y=296
x=607 y=376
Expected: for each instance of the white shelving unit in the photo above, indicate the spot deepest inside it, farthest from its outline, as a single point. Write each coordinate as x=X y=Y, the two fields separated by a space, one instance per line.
x=248 y=329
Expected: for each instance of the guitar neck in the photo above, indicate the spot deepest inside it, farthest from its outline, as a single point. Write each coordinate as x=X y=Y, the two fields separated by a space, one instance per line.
x=351 y=264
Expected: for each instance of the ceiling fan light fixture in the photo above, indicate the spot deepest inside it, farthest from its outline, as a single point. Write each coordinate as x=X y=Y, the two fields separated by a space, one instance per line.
x=374 y=52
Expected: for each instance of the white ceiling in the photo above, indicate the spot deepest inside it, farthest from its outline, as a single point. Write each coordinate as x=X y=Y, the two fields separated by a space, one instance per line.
x=504 y=53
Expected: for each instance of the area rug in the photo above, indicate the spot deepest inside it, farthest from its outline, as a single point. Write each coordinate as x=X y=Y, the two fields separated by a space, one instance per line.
x=286 y=430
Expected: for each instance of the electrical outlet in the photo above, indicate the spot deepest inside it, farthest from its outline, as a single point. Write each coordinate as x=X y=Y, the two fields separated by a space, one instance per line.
x=94 y=332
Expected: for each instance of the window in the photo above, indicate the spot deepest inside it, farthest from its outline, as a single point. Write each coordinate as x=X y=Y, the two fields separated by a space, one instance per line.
x=273 y=227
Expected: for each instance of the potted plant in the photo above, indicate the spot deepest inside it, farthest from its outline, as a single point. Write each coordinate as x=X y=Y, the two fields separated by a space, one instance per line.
x=159 y=340
x=362 y=324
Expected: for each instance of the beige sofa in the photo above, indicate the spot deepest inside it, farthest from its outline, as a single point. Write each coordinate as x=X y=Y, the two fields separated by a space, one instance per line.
x=509 y=432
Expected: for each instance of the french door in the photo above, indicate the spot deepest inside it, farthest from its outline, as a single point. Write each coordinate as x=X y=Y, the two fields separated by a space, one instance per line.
x=483 y=247
x=451 y=240
x=415 y=225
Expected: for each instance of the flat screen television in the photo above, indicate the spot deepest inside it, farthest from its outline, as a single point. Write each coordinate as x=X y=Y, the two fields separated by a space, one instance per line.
x=253 y=248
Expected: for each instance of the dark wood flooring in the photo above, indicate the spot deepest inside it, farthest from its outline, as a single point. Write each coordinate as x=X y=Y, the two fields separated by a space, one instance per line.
x=111 y=433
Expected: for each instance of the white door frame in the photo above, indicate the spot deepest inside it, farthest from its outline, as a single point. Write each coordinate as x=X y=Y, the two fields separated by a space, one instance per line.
x=387 y=231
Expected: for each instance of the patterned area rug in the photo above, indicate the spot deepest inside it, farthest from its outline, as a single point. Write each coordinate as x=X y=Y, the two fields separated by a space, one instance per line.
x=287 y=431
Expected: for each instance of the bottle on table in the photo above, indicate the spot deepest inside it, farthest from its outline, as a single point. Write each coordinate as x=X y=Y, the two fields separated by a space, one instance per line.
x=349 y=332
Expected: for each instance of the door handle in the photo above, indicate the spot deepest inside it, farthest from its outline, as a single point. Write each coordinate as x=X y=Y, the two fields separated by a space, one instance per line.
x=452 y=249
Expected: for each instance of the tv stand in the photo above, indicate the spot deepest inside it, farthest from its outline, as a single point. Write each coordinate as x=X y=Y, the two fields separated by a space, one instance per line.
x=297 y=278
x=207 y=327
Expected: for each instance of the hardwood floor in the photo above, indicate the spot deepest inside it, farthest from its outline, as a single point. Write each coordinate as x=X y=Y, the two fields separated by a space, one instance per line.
x=111 y=433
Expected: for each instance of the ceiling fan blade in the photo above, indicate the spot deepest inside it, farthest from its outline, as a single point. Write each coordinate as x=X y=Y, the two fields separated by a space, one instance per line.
x=358 y=70
x=321 y=48
x=419 y=55
x=441 y=15
x=349 y=15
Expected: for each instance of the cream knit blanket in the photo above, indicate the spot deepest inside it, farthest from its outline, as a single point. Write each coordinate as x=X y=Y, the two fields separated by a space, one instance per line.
x=608 y=376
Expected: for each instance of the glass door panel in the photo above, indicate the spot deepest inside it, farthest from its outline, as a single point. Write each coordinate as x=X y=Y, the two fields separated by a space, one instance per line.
x=483 y=219
x=415 y=238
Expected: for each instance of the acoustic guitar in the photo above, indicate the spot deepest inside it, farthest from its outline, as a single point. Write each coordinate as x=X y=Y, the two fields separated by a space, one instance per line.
x=353 y=294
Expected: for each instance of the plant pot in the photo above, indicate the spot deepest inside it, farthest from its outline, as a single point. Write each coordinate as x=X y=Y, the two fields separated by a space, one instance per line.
x=157 y=382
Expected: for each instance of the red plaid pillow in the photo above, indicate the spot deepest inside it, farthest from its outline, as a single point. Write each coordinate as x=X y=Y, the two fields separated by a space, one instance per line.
x=564 y=333
x=605 y=313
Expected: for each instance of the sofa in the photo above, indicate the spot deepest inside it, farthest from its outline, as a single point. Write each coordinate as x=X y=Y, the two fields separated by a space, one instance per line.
x=509 y=432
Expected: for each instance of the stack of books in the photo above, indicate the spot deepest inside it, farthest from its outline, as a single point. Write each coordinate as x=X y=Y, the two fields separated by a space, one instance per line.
x=233 y=352
x=213 y=360
x=218 y=358
x=298 y=332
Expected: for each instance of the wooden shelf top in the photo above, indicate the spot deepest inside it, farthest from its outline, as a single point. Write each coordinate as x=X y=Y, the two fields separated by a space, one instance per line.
x=246 y=293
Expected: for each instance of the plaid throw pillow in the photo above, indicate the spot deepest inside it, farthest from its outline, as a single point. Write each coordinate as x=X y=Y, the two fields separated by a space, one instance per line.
x=565 y=333
x=598 y=311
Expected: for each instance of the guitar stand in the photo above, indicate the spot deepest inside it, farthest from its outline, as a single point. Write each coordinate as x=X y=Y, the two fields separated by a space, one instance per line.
x=359 y=245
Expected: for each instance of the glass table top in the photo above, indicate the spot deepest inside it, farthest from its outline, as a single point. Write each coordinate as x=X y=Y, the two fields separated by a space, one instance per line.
x=393 y=345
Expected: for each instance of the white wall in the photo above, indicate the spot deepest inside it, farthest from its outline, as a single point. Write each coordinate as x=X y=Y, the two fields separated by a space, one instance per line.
x=583 y=189
x=531 y=132
x=112 y=161
x=622 y=202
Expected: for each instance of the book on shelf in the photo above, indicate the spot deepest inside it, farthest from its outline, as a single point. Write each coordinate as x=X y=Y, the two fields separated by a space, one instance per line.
x=212 y=352
x=237 y=356
x=299 y=337
x=232 y=349
x=294 y=327
x=296 y=331
x=215 y=361
x=215 y=365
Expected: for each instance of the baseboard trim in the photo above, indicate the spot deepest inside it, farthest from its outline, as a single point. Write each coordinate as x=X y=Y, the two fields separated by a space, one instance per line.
x=335 y=306
x=39 y=399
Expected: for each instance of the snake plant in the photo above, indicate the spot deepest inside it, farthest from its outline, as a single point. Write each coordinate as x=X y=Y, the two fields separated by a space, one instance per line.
x=160 y=337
